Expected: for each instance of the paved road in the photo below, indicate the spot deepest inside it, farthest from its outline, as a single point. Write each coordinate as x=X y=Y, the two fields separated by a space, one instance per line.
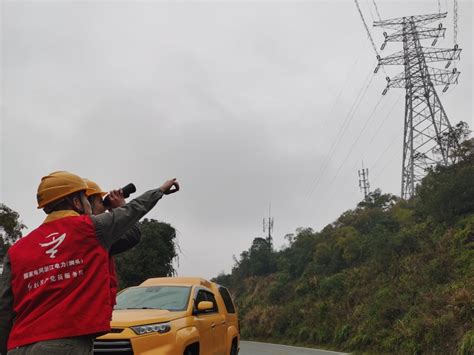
x=254 y=348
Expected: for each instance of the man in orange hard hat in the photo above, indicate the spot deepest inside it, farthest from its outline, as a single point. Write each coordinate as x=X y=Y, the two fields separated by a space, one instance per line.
x=96 y=195
x=54 y=289
x=131 y=238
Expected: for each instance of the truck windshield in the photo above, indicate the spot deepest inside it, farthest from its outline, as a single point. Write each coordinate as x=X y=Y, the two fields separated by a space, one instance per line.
x=171 y=298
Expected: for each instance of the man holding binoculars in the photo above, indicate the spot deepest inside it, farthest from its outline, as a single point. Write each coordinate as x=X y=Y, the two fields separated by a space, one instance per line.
x=55 y=294
x=114 y=199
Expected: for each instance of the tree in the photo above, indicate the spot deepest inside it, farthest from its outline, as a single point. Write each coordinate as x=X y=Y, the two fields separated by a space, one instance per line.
x=259 y=260
x=376 y=199
x=457 y=143
x=299 y=254
x=152 y=257
x=262 y=258
x=447 y=192
x=10 y=228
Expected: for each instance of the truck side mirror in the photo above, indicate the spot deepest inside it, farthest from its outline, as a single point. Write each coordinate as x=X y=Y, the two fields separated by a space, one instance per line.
x=204 y=306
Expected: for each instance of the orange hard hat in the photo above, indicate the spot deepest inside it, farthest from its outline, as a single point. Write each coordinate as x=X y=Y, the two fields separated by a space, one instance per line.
x=93 y=188
x=57 y=185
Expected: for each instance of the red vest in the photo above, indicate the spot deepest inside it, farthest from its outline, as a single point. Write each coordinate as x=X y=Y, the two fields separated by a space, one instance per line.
x=60 y=282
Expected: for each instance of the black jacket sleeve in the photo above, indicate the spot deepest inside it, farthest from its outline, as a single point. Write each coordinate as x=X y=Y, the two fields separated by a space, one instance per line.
x=127 y=241
x=6 y=305
x=111 y=226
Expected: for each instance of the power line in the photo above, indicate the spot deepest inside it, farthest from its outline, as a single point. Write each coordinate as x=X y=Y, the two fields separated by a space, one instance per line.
x=357 y=139
x=387 y=163
x=370 y=11
x=337 y=138
x=455 y=23
x=377 y=10
x=330 y=203
x=343 y=87
x=390 y=145
x=366 y=28
x=347 y=120
x=308 y=194
x=385 y=119
x=351 y=150
x=354 y=110
x=455 y=30
x=340 y=134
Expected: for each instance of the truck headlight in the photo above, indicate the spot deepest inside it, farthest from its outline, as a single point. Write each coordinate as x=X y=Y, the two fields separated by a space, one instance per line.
x=152 y=328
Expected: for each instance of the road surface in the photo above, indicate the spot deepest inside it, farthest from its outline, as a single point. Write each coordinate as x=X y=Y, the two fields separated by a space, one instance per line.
x=254 y=348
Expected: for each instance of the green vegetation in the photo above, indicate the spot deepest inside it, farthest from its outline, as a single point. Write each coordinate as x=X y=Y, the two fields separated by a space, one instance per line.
x=388 y=277
x=152 y=257
x=10 y=228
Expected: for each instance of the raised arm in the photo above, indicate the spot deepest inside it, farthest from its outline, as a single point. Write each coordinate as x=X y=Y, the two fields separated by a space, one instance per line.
x=110 y=227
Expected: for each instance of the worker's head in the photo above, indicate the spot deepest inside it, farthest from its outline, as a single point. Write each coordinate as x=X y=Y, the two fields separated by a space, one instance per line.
x=95 y=196
x=62 y=190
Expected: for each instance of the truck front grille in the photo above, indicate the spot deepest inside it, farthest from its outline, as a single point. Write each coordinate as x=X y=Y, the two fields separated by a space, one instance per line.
x=113 y=347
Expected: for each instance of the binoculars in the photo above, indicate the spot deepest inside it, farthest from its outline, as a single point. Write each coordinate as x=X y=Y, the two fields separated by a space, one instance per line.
x=127 y=190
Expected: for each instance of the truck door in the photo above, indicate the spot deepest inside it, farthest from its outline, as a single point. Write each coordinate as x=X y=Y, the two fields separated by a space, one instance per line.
x=206 y=322
x=220 y=327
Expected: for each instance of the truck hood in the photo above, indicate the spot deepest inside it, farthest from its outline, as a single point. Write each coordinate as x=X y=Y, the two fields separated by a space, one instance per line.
x=132 y=317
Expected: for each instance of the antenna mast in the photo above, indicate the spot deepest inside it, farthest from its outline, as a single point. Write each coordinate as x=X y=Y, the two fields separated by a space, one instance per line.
x=268 y=226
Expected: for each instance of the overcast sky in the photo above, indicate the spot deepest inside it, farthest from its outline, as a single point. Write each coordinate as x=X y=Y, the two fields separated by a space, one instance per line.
x=244 y=102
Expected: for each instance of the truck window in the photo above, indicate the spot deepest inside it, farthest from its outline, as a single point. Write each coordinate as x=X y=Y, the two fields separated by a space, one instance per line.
x=210 y=297
x=203 y=295
x=171 y=298
x=229 y=305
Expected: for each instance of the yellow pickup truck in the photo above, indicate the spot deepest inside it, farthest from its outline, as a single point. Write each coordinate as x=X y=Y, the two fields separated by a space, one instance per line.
x=172 y=316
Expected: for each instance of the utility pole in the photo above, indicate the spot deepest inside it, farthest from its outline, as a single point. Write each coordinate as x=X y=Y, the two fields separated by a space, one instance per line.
x=426 y=122
x=268 y=226
x=364 y=181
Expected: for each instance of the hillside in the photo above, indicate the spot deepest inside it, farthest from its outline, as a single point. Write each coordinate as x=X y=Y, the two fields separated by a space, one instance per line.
x=389 y=276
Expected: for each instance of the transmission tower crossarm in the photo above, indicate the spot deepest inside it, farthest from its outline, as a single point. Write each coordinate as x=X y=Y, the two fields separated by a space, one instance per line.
x=397 y=58
x=422 y=34
x=443 y=77
x=430 y=55
x=437 y=77
x=396 y=82
x=441 y=54
x=419 y=20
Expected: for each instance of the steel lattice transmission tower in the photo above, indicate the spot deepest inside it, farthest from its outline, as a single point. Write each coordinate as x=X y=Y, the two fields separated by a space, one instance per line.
x=426 y=121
